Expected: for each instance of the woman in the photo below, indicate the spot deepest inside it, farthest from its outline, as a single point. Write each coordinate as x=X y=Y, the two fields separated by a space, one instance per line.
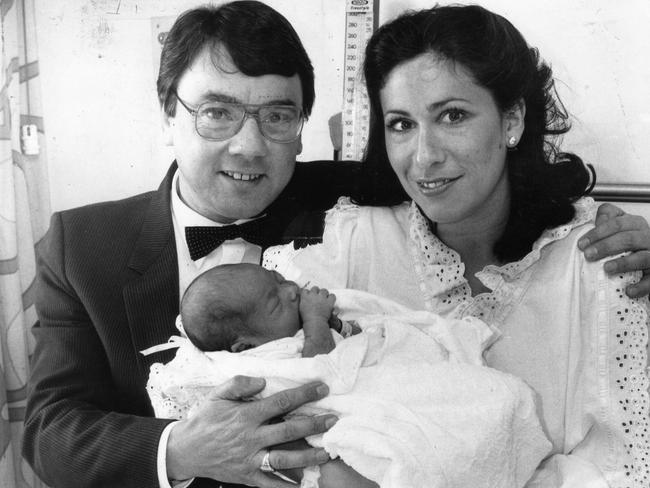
x=464 y=118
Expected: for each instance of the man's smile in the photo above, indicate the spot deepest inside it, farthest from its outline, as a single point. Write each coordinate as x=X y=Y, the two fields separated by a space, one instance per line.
x=243 y=176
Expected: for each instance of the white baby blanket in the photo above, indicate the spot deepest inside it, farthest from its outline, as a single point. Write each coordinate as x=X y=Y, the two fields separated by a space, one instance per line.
x=416 y=405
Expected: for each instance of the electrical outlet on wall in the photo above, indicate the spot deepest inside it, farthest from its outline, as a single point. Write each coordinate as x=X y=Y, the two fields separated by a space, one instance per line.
x=29 y=139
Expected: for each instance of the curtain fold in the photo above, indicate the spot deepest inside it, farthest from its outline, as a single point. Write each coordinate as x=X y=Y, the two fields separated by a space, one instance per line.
x=24 y=217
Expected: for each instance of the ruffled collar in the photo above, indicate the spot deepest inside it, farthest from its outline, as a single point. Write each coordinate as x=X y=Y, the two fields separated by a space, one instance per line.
x=440 y=269
x=585 y=212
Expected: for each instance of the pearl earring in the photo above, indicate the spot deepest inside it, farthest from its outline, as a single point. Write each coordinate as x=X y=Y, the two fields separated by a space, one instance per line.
x=512 y=141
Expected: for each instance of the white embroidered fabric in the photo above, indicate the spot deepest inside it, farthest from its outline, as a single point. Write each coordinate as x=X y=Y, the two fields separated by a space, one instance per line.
x=440 y=272
x=598 y=416
x=628 y=360
x=310 y=477
x=416 y=406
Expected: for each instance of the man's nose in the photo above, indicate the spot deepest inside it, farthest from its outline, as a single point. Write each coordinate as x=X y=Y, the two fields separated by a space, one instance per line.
x=249 y=141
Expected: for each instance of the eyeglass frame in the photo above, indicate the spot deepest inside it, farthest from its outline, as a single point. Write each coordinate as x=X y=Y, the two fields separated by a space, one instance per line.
x=255 y=115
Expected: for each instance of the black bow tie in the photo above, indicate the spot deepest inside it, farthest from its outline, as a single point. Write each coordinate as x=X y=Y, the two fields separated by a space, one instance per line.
x=202 y=240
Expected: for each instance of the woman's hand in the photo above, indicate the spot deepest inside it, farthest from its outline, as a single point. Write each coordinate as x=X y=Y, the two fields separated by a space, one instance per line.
x=333 y=474
x=617 y=232
x=337 y=474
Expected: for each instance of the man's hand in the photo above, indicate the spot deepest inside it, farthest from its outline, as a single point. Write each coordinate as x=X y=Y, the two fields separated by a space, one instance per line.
x=316 y=307
x=617 y=232
x=227 y=438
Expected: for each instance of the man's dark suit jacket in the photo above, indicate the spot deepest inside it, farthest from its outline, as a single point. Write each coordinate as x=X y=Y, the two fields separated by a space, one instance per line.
x=108 y=288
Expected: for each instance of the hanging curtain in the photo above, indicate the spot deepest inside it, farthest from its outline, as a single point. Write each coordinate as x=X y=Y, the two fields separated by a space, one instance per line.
x=24 y=217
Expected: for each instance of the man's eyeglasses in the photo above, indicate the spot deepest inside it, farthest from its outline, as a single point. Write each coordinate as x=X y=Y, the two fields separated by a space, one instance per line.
x=218 y=121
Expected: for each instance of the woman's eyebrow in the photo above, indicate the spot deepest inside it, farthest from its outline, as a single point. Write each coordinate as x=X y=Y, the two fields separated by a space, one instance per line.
x=441 y=103
x=432 y=107
x=396 y=112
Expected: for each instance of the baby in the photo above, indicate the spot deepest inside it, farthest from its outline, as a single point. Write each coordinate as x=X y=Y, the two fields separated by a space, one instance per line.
x=236 y=307
x=416 y=405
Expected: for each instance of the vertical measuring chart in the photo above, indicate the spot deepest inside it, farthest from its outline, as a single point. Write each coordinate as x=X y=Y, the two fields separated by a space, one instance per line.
x=355 y=119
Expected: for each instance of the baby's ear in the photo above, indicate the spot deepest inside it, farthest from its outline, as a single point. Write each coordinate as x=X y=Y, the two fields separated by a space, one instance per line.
x=241 y=345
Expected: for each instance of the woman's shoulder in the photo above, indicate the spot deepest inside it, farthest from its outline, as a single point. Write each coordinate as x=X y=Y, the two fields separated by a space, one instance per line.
x=570 y=233
x=556 y=245
x=558 y=249
x=348 y=213
x=563 y=240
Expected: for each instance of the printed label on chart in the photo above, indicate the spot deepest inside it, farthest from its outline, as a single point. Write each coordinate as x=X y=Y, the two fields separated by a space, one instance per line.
x=356 y=110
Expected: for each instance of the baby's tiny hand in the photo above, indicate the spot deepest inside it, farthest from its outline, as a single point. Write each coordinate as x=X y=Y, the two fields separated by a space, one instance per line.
x=316 y=306
x=316 y=303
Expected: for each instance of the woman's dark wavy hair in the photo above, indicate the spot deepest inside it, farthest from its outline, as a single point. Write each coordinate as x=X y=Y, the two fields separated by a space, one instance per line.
x=544 y=182
x=260 y=41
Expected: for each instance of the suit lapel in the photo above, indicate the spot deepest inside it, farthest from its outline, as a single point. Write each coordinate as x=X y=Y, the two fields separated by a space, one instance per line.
x=151 y=299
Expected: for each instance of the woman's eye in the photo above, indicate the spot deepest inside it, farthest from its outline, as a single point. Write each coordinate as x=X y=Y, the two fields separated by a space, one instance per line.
x=399 y=125
x=453 y=116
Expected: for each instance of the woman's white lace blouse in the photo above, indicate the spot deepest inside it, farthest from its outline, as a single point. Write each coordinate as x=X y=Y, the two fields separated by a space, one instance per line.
x=566 y=327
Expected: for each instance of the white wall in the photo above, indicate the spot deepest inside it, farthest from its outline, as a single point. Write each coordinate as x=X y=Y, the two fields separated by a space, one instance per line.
x=101 y=114
x=97 y=65
x=600 y=54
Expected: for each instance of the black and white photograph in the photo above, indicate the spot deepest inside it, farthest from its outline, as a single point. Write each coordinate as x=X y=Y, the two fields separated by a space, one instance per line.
x=335 y=244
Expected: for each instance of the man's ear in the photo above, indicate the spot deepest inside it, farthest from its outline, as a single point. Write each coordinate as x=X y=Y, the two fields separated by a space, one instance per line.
x=514 y=120
x=299 y=148
x=167 y=123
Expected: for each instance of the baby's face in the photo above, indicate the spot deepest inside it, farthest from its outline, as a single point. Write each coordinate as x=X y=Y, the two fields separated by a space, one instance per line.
x=277 y=305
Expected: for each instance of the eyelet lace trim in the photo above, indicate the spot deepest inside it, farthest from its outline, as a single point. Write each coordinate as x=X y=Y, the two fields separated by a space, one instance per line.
x=629 y=382
x=440 y=269
x=440 y=273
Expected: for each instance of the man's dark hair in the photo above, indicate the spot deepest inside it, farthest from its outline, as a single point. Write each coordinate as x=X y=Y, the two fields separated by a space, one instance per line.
x=259 y=40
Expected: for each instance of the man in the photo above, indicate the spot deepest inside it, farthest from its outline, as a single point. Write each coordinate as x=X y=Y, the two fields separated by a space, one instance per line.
x=235 y=86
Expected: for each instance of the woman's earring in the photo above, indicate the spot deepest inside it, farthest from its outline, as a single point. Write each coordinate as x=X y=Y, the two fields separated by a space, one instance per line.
x=512 y=142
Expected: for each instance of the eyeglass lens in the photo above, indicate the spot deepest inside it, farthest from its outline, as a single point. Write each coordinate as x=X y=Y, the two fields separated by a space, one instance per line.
x=220 y=120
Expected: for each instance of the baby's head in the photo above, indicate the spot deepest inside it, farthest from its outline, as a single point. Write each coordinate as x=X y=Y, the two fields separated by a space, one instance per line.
x=238 y=306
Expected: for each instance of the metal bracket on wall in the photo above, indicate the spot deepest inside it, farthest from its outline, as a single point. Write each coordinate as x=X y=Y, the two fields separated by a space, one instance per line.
x=621 y=192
